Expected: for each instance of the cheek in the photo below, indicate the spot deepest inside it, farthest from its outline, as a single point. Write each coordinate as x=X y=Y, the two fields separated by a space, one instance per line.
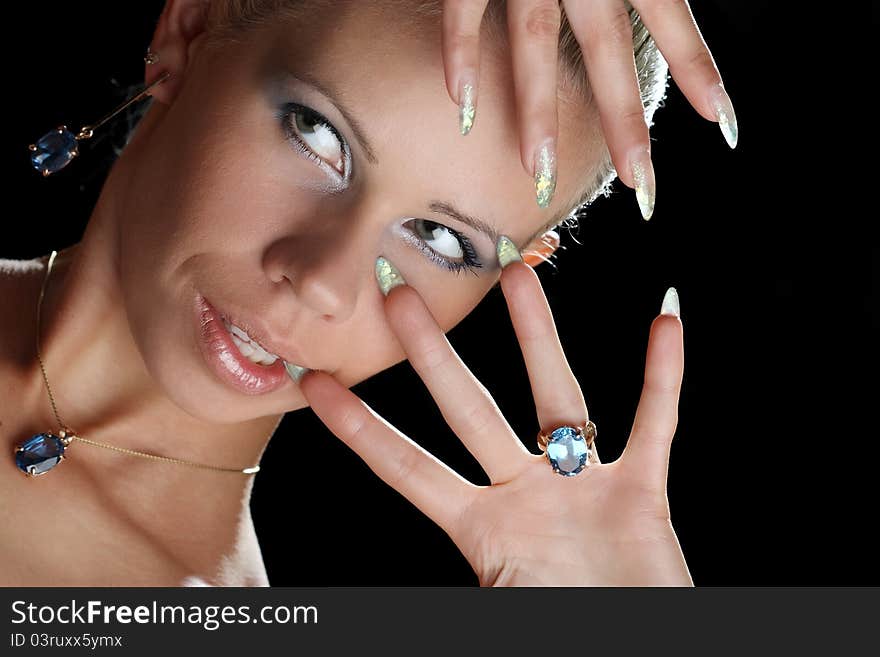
x=370 y=344
x=243 y=193
x=448 y=297
x=451 y=306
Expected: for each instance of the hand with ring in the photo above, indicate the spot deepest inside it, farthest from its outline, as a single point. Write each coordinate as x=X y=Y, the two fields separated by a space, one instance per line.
x=601 y=524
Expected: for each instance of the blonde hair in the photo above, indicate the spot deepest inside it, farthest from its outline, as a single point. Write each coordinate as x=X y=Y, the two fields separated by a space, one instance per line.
x=231 y=20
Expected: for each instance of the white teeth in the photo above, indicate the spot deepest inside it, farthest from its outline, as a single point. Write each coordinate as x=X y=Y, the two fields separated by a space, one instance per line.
x=244 y=347
x=249 y=348
x=244 y=336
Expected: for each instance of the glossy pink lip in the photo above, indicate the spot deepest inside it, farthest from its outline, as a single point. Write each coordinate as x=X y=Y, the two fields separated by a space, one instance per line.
x=227 y=361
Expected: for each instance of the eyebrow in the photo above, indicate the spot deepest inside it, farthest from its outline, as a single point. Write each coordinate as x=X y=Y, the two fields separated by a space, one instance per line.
x=441 y=207
x=477 y=224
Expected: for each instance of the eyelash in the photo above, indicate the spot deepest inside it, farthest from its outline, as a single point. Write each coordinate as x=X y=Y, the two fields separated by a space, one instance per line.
x=287 y=111
x=471 y=260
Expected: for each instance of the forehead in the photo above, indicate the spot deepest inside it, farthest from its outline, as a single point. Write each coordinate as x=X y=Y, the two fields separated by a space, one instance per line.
x=386 y=68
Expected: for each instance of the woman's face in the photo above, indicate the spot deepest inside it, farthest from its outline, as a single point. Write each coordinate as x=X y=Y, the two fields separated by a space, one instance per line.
x=224 y=203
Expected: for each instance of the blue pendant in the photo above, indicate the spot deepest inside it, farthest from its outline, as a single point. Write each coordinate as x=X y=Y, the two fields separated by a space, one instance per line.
x=567 y=451
x=39 y=453
x=54 y=150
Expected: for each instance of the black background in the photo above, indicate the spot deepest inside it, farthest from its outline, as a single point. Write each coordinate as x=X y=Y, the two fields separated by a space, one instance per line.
x=765 y=244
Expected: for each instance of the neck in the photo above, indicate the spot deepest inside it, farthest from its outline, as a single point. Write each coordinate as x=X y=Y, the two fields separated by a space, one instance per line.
x=104 y=392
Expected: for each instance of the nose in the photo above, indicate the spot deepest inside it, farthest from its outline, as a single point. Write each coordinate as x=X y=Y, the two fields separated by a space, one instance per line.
x=325 y=275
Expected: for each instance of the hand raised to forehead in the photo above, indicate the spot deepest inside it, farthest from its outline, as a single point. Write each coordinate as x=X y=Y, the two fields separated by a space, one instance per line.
x=604 y=31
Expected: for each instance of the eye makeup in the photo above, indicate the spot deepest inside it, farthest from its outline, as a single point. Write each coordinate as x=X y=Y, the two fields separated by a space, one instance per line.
x=287 y=117
x=470 y=260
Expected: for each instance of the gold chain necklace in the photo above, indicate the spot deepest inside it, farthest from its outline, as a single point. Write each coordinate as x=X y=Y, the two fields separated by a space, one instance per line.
x=43 y=451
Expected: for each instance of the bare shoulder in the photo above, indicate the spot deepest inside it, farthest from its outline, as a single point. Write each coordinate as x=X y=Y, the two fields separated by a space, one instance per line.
x=19 y=286
x=19 y=281
x=17 y=278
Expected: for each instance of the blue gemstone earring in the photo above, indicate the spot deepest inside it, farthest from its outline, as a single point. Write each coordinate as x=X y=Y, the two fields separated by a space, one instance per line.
x=54 y=150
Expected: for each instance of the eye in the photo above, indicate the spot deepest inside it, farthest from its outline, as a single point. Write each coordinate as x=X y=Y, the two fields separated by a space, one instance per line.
x=445 y=246
x=315 y=136
x=446 y=242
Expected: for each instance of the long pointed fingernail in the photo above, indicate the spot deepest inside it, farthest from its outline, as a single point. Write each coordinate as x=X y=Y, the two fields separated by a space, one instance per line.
x=295 y=371
x=466 y=107
x=507 y=251
x=670 y=305
x=643 y=178
x=725 y=114
x=545 y=172
x=387 y=275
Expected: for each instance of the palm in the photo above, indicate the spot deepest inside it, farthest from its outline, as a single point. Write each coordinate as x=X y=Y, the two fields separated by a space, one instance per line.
x=602 y=531
x=607 y=525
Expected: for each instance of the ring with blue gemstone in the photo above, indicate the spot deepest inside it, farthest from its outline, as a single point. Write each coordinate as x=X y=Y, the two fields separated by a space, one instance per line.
x=568 y=448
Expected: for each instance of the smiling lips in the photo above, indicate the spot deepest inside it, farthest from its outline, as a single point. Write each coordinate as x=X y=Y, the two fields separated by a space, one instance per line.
x=229 y=361
x=249 y=347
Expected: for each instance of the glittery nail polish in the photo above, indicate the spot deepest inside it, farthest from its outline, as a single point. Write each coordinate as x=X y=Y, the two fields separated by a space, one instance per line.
x=725 y=114
x=466 y=108
x=545 y=172
x=507 y=251
x=295 y=371
x=670 y=305
x=387 y=275
x=643 y=178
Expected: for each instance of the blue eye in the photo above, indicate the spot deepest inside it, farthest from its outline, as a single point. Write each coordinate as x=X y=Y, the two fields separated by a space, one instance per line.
x=315 y=137
x=446 y=240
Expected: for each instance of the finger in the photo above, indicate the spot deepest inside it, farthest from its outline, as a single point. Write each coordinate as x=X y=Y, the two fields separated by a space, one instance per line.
x=465 y=403
x=676 y=34
x=435 y=489
x=604 y=33
x=647 y=450
x=558 y=396
x=533 y=26
x=461 y=55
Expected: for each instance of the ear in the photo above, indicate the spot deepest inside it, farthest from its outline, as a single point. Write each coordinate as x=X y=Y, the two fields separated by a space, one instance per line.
x=541 y=248
x=179 y=34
